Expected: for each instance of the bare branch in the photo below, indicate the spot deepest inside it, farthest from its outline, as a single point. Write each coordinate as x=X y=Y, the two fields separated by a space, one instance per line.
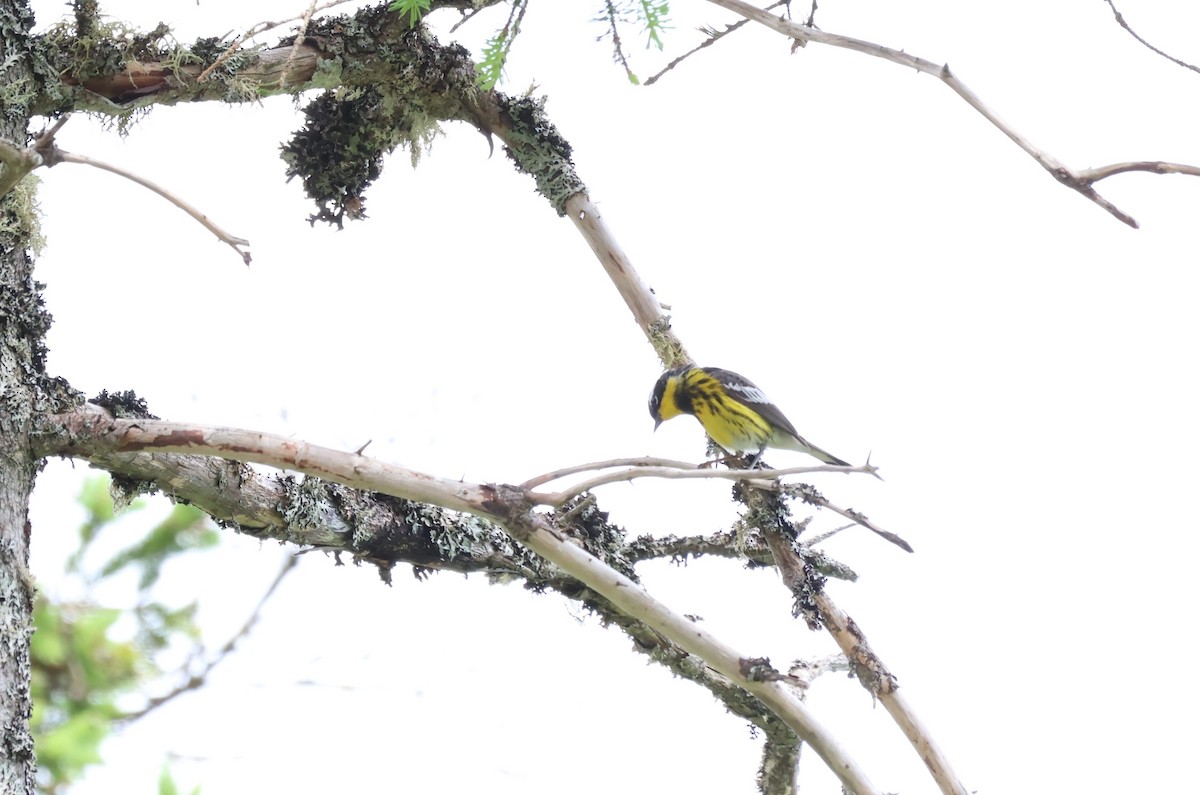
x=86 y=433
x=610 y=14
x=870 y=671
x=713 y=36
x=45 y=152
x=813 y=497
x=646 y=461
x=760 y=477
x=233 y=242
x=46 y=139
x=467 y=16
x=1121 y=21
x=640 y=299
x=874 y=676
x=1091 y=175
x=803 y=34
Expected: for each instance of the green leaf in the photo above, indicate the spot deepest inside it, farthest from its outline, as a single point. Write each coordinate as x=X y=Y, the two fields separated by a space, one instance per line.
x=655 y=17
x=47 y=646
x=183 y=530
x=96 y=499
x=70 y=747
x=490 y=69
x=414 y=8
x=166 y=784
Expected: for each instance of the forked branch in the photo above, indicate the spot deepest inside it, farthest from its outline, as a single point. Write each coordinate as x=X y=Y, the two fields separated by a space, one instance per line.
x=1081 y=182
x=45 y=152
x=91 y=432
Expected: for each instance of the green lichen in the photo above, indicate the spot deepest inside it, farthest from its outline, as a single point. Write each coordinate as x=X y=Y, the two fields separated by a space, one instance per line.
x=541 y=151
x=103 y=48
x=25 y=215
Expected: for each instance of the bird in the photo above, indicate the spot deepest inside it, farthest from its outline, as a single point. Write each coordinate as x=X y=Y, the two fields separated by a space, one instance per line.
x=735 y=413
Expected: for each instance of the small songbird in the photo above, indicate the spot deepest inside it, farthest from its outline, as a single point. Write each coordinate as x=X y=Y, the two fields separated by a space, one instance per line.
x=734 y=412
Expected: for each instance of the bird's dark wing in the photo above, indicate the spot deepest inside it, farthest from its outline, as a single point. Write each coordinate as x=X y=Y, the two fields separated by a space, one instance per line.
x=745 y=392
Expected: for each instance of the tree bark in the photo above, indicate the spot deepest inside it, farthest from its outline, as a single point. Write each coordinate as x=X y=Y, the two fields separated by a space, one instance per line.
x=22 y=324
x=26 y=392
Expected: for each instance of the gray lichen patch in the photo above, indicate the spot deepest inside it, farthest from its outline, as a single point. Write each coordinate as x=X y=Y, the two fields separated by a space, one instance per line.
x=537 y=148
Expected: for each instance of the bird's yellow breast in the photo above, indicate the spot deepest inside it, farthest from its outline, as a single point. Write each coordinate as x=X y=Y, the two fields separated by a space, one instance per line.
x=732 y=425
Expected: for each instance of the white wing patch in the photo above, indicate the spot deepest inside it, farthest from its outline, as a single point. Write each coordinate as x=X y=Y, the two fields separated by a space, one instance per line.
x=747 y=392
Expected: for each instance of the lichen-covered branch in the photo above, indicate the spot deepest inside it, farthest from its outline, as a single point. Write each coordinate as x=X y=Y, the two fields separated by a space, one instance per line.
x=395 y=85
x=562 y=541
x=769 y=516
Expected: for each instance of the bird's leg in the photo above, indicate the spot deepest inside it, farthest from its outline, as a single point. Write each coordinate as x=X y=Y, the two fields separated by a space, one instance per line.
x=756 y=462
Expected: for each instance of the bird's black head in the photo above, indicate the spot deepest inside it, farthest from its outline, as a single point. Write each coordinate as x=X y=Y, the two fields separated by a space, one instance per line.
x=669 y=398
x=656 y=398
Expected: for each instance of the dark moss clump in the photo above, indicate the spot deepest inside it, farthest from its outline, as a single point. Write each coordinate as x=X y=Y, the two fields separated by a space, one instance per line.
x=339 y=152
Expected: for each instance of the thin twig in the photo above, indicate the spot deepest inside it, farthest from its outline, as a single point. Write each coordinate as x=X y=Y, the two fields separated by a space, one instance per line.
x=233 y=242
x=47 y=138
x=1090 y=175
x=645 y=461
x=803 y=34
x=467 y=16
x=45 y=152
x=1121 y=21
x=809 y=670
x=618 y=51
x=197 y=680
x=260 y=28
x=305 y=19
x=813 y=497
x=760 y=477
x=713 y=37
x=819 y=537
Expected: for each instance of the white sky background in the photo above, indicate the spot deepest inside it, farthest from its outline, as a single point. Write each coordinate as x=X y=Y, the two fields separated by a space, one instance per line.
x=890 y=268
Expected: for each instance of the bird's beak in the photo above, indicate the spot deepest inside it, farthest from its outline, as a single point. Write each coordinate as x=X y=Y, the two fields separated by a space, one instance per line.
x=657 y=423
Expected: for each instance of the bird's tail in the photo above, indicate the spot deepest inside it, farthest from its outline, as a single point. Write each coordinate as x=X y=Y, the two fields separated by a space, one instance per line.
x=800 y=444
